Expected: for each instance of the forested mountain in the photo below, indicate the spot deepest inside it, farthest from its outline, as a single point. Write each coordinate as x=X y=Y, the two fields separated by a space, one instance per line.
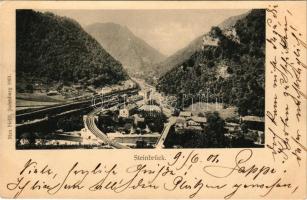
x=229 y=65
x=134 y=53
x=196 y=45
x=51 y=49
x=231 y=21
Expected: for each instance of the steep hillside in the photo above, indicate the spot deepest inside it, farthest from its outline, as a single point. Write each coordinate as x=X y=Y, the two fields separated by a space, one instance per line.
x=229 y=66
x=196 y=45
x=52 y=49
x=133 y=52
x=231 y=21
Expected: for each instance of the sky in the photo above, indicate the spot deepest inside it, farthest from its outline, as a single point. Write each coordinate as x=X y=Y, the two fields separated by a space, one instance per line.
x=165 y=30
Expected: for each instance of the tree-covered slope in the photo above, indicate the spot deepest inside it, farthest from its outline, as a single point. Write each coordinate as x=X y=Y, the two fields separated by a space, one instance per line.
x=230 y=67
x=53 y=49
x=196 y=45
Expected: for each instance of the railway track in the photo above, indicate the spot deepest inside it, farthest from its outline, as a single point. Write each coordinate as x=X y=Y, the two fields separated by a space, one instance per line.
x=56 y=109
x=91 y=126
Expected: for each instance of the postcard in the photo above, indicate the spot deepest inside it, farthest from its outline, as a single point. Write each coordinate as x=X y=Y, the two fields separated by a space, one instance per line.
x=153 y=99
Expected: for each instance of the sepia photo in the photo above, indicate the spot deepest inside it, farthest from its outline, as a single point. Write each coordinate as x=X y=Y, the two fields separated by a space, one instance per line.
x=140 y=79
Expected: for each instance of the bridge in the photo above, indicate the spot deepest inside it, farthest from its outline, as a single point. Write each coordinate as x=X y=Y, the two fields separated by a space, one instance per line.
x=167 y=127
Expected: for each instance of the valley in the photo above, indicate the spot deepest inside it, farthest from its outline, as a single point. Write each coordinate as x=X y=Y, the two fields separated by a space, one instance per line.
x=103 y=87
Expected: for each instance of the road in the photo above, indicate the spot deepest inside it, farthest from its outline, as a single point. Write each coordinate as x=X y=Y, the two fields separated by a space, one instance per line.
x=154 y=95
x=164 y=134
x=91 y=126
x=160 y=100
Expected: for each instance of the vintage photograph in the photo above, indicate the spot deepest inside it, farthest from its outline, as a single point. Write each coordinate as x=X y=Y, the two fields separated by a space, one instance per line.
x=124 y=79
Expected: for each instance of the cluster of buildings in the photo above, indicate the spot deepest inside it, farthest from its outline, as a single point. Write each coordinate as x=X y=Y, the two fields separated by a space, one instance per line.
x=131 y=129
x=132 y=113
x=187 y=122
